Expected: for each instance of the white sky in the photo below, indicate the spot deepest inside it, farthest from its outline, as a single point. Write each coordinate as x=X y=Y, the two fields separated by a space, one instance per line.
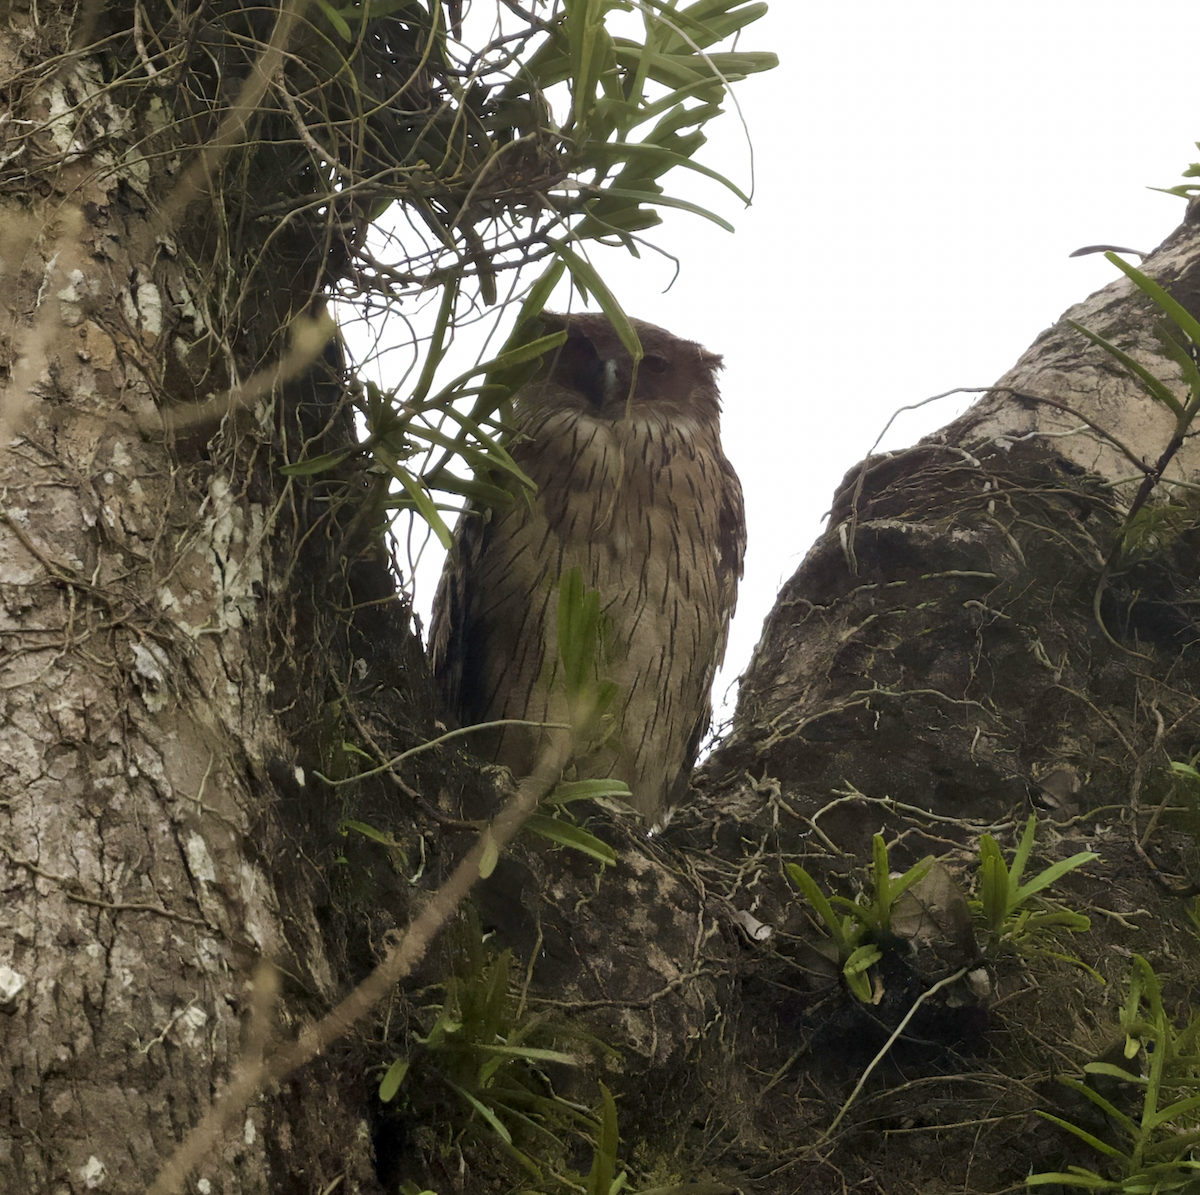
x=923 y=171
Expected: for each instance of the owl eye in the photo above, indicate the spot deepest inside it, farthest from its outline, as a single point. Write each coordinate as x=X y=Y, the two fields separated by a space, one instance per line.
x=656 y=364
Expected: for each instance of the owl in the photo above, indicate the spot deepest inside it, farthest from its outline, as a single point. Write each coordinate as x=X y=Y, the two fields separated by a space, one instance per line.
x=633 y=489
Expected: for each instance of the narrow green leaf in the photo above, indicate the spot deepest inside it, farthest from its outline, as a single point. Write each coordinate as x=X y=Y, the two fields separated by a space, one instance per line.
x=585 y=276
x=437 y=342
x=861 y=959
x=490 y=856
x=1088 y=1179
x=529 y=1053
x=367 y=831
x=918 y=871
x=391 y=1081
x=480 y=493
x=1171 y=1111
x=508 y=358
x=1106 y=1106
x=575 y=647
x=655 y=199
x=1157 y=390
x=568 y=835
x=420 y=498
x=488 y=1115
x=629 y=150
x=1083 y=1135
x=316 y=464
x=865 y=915
x=604 y=1158
x=993 y=884
x=540 y=292
x=857 y=979
x=1148 y=286
x=816 y=898
x=880 y=871
x=1148 y=986
x=581 y=790
x=706 y=23
x=335 y=19
x=1017 y=867
x=1055 y=872
x=1183 y=358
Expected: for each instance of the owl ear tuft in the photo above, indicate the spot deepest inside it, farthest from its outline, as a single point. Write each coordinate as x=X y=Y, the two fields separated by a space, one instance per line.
x=713 y=361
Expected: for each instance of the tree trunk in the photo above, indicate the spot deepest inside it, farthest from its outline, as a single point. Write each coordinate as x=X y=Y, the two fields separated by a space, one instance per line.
x=953 y=655
x=159 y=649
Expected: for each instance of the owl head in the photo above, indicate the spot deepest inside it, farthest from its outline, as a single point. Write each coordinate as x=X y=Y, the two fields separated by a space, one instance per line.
x=593 y=372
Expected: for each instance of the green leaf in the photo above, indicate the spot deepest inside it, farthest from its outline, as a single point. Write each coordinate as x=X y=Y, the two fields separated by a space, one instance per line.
x=917 y=872
x=604 y=1157
x=1157 y=390
x=367 y=831
x=1171 y=1111
x=1021 y=857
x=391 y=1081
x=657 y=200
x=855 y=971
x=529 y=1054
x=1077 y=923
x=481 y=493
x=582 y=790
x=488 y=1115
x=707 y=22
x=1083 y=1178
x=1148 y=286
x=490 y=856
x=335 y=19
x=540 y=292
x=993 y=884
x=1082 y=1134
x=437 y=342
x=586 y=278
x=816 y=898
x=578 y=624
x=1106 y=1106
x=566 y=834
x=509 y=357
x=1051 y=874
x=419 y=497
x=861 y=959
x=1183 y=358
x=316 y=464
x=879 y=865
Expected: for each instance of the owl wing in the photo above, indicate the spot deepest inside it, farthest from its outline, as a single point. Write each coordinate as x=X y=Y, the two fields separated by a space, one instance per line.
x=730 y=552
x=487 y=636
x=450 y=635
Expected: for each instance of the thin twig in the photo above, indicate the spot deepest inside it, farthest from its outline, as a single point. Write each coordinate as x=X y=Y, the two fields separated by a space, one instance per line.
x=887 y=1045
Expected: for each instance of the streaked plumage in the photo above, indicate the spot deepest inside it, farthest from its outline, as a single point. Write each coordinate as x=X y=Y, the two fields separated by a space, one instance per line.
x=645 y=503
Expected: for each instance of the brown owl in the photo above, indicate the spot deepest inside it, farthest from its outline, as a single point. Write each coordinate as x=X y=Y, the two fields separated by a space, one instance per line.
x=632 y=488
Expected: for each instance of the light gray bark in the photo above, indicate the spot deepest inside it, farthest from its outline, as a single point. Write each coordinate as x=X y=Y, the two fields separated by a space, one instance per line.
x=135 y=687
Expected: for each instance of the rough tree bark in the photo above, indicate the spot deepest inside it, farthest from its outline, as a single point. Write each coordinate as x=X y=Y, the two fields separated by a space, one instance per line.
x=164 y=593
x=180 y=625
